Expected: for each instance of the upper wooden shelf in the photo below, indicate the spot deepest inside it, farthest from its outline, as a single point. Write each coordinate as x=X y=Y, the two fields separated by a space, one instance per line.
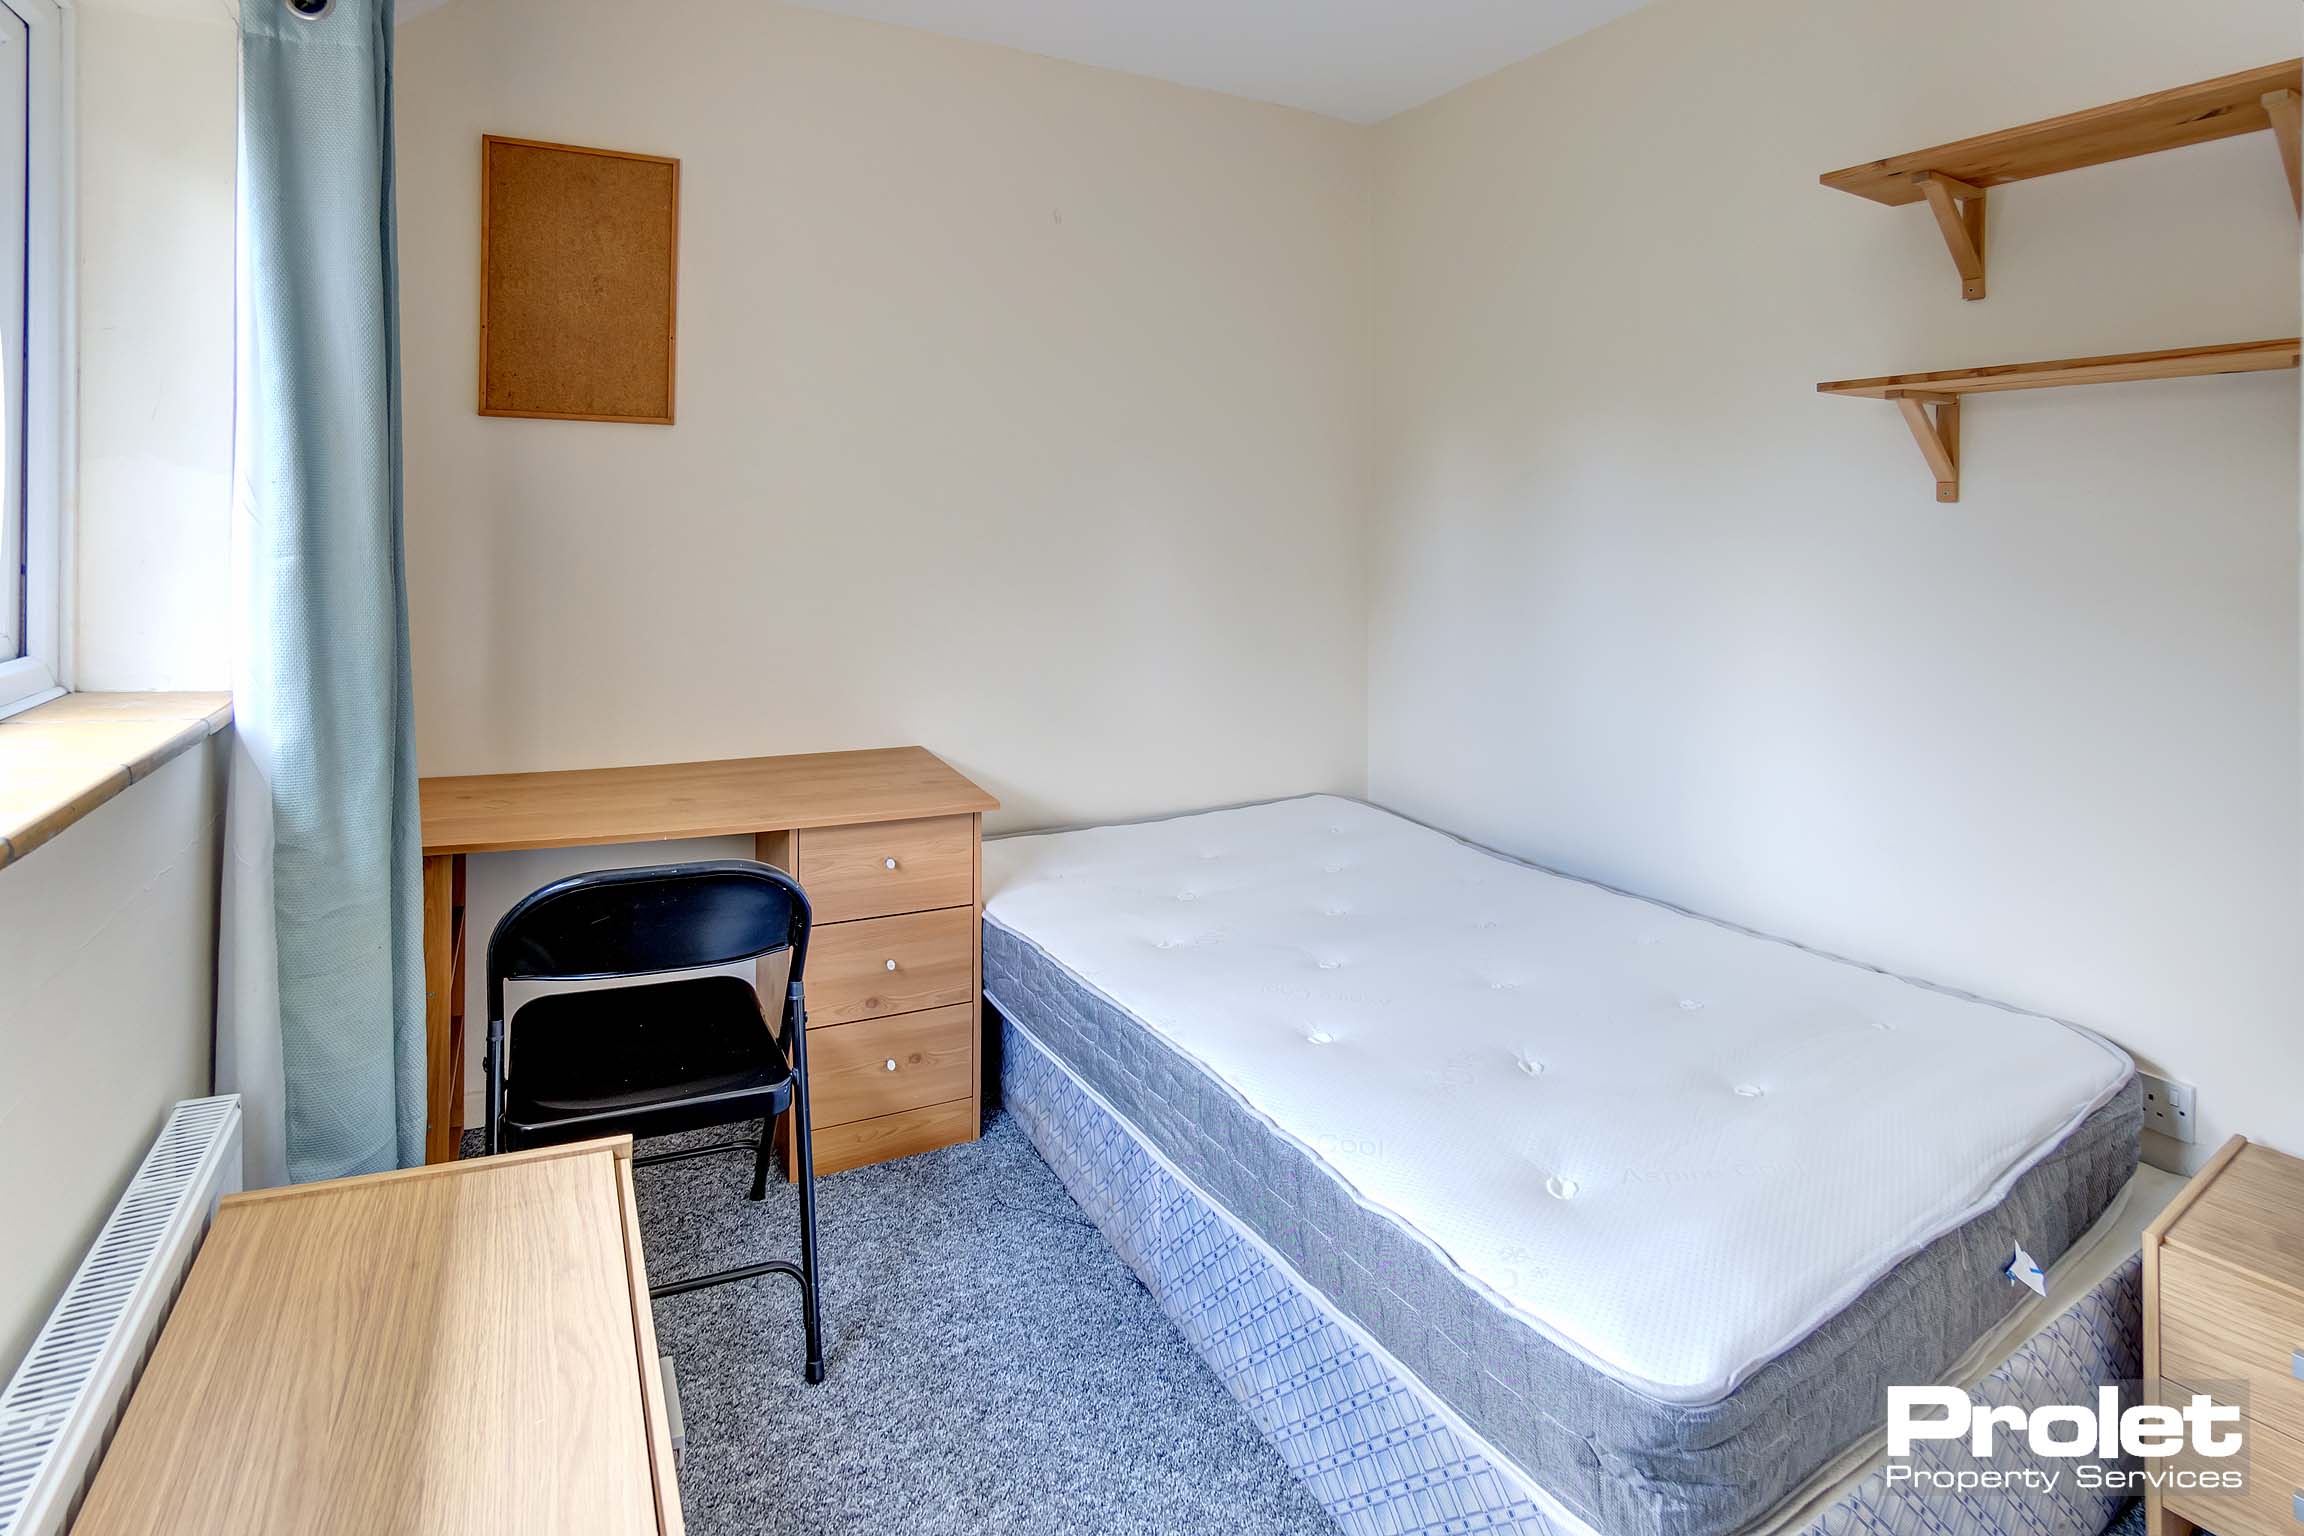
x=1953 y=178
x=1938 y=434
x=2189 y=114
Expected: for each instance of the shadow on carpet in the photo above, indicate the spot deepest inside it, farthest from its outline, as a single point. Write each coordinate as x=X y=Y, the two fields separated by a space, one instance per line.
x=994 y=1366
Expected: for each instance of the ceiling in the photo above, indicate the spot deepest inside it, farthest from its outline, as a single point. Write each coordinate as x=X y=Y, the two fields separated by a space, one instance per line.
x=1360 y=60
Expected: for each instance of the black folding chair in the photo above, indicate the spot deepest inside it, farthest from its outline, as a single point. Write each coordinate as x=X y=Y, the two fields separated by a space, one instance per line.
x=666 y=1056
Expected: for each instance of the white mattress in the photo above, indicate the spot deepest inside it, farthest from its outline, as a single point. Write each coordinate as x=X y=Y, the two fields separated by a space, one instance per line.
x=1673 y=1147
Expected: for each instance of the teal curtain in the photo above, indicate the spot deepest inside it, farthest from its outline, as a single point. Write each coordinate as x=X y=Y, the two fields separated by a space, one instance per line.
x=324 y=994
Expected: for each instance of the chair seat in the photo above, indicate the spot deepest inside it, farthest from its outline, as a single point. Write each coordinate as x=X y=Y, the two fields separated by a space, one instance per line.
x=651 y=1059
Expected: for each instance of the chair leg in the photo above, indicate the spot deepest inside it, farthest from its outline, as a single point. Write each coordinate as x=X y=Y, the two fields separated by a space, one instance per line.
x=495 y=1117
x=811 y=1314
x=760 y=1163
x=804 y=1159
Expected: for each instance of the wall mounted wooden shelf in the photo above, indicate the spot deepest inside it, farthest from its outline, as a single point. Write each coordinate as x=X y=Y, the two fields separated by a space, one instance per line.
x=1952 y=179
x=1930 y=402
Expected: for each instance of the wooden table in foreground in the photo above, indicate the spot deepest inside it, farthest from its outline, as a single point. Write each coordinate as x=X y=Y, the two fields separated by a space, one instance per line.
x=454 y=1350
x=888 y=845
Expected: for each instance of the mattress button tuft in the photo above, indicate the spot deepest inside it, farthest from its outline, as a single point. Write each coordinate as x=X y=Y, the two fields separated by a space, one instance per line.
x=1749 y=1091
x=1559 y=1188
x=1320 y=1037
x=1531 y=1066
x=1691 y=1004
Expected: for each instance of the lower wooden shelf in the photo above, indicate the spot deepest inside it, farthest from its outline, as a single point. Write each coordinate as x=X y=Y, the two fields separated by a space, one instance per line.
x=1930 y=402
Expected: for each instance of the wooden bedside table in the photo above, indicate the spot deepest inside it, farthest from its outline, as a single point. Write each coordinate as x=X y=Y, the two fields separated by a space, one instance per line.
x=2224 y=1303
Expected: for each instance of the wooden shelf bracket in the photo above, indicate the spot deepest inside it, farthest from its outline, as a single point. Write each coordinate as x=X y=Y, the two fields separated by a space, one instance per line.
x=1938 y=436
x=1959 y=210
x=2283 y=108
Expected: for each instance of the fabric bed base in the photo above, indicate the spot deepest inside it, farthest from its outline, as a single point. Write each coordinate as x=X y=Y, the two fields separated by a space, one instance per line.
x=1383 y=1454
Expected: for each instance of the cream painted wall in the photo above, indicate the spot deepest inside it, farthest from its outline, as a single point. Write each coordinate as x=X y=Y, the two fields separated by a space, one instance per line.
x=108 y=944
x=1644 y=606
x=108 y=934
x=1024 y=413
x=157 y=83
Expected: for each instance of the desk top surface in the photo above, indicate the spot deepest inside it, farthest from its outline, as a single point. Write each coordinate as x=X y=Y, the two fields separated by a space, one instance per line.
x=462 y=1348
x=578 y=807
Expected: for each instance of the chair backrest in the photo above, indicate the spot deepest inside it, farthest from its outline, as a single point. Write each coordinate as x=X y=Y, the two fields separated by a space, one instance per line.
x=636 y=922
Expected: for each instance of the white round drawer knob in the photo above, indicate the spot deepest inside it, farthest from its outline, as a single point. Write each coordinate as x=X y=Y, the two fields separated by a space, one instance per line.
x=891 y=965
x=891 y=863
x=891 y=1063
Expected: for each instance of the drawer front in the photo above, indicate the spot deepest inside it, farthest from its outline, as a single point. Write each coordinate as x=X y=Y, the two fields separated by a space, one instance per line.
x=883 y=965
x=841 y=1147
x=2219 y=1324
x=885 y=867
x=862 y=1071
x=2271 y=1505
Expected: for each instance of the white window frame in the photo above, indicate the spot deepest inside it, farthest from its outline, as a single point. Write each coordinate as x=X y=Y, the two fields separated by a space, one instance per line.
x=43 y=671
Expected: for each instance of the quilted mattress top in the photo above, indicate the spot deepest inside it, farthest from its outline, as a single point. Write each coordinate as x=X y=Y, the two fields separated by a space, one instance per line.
x=1673 y=1146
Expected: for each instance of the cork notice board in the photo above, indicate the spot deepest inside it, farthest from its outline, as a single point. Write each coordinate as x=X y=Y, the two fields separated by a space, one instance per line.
x=578 y=252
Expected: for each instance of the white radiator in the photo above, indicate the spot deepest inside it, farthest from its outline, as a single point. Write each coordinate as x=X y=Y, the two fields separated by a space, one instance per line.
x=59 y=1412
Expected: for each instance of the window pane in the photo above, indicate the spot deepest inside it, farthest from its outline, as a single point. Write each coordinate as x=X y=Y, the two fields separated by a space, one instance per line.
x=14 y=91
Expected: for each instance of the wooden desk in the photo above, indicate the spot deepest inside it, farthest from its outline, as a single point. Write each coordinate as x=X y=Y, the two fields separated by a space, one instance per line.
x=887 y=843
x=452 y=1350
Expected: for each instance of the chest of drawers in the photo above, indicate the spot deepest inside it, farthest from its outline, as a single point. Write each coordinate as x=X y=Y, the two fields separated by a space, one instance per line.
x=2224 y=1315
x=893 y=983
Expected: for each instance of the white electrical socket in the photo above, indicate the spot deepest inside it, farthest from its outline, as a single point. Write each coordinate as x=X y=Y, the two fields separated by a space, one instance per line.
x=2168 y=1107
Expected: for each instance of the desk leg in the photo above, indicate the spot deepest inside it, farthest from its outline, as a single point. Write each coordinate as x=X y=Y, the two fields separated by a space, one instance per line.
x=456 y=1052
x=443 y=1005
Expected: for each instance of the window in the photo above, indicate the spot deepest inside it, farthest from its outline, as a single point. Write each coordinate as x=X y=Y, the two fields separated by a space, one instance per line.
x=31 y=349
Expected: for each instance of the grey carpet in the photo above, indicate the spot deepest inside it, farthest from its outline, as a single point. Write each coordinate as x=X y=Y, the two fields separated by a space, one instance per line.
x=994 y=1366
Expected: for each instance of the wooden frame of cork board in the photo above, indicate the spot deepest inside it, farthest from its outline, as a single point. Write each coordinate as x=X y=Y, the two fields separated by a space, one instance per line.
x=579 y=268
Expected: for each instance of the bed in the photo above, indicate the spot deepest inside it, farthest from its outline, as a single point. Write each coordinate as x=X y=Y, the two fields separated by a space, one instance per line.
x=1638 y=1212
